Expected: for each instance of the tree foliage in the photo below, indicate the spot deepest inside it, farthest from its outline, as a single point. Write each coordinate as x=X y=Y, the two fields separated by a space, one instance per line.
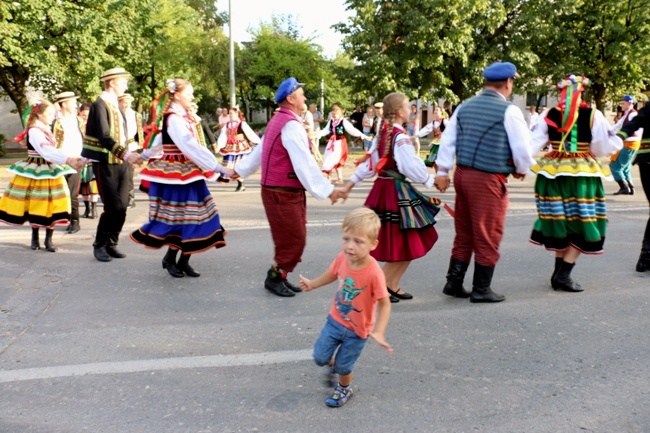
x=437 y=49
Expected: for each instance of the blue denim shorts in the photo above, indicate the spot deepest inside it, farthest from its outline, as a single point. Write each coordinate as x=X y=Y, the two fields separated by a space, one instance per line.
x=349 y=344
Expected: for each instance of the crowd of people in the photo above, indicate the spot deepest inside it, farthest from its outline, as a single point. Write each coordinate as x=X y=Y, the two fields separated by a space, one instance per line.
x=482 y=143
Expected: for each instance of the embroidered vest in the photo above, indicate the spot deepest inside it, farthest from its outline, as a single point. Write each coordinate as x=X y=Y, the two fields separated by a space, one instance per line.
x=93 y=149
x=277 y=169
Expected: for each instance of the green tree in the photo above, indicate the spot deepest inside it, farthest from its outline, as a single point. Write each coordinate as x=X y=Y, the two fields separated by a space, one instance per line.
x=608 y=41
x=276 y=52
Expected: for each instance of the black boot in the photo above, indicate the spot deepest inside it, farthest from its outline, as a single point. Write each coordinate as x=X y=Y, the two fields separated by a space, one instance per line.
x=481 y=291
x=631 y=186
x=49 y=245
x=169 y=263
x=184 y=266
x=644 y=259
x=563 y=279
x=36 y=245
x=87 y=211
x=455 y=277
x=625 y=190
x=558 y=262
x=240 y=186
x=275 y=283
x=93 y=210
x=73 y=227
x=99 y=247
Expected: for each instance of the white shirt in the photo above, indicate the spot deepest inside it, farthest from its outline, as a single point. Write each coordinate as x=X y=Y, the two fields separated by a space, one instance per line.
x=518 y=138
x=44 y=146
x=294 y=139
x=618 y=125
x=111 y=99
x=251 y=136
x=181 y=131
x=348 y=128
x=603 y=141
x=72 y=138
x=428 y=129
x=408 y=163
x=308 y=120
x=131 y=128
x=532 y=119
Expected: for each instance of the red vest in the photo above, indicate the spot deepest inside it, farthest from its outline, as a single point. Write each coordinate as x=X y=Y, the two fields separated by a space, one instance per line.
x=277 y=169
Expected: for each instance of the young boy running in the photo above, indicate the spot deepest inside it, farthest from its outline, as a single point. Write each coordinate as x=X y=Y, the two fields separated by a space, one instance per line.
x=361 y=287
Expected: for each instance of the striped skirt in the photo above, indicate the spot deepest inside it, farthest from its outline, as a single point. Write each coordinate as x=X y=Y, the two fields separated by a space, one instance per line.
x=183 y=216
x=39 y=202
x=571 y=212
x=395 y=243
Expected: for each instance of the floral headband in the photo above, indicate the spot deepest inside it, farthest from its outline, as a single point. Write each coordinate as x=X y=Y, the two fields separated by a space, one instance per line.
x=170 y=85
x=572 y=80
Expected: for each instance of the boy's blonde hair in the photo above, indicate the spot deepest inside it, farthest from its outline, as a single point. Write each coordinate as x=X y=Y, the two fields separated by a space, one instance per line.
x=363 y=221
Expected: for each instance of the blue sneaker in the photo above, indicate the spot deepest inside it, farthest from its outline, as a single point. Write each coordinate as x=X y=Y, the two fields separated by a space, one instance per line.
x=330 y=378
x=340 y=397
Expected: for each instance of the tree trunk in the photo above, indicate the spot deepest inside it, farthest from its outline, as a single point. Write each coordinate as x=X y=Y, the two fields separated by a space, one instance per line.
x=598 y=92
x=13 y=81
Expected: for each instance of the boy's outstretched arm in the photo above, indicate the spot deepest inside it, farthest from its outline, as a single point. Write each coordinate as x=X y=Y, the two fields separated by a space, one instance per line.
x=383 y=314
x=323 y=280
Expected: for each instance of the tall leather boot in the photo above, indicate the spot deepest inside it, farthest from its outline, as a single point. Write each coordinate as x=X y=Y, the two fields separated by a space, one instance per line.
x=455 y=278
x=87 y=211
x=36 y=245
x=169 y=263
x=184 y=266
x=644 y=259
x=74 y=226
x=49 y=245
x=558 y=262
x=481 y=290
x=631 y=186
x=99 y=248
x=625 y=190
x=563 y=279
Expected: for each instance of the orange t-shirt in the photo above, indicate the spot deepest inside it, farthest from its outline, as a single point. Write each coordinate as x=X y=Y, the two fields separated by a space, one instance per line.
x=356 y=298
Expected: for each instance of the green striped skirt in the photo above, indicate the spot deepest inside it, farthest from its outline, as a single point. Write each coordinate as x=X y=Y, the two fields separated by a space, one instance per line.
x=571 y=212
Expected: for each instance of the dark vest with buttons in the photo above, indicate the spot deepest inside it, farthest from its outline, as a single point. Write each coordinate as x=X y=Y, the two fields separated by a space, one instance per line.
x=481 y=139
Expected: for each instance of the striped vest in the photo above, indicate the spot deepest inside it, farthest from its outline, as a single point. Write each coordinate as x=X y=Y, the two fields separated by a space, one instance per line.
x=277 y=169
x=481 y=139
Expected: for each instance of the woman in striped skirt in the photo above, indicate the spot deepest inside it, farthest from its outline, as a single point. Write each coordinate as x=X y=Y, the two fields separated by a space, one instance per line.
x=407 y=217
x=38 y=193
x=572 y=216
x=182 y=213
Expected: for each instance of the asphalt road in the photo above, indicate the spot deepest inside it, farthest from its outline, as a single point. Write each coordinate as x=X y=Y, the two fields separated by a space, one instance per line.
x=124 y=347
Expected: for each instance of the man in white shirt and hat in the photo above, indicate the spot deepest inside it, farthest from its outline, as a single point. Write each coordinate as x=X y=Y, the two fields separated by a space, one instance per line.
x=68 y=135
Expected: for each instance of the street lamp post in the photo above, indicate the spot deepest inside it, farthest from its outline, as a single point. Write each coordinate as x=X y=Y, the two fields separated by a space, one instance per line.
x=232 y=57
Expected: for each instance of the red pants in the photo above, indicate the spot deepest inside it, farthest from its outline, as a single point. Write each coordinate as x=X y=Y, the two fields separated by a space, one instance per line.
x=480 y=213
x=286 y=212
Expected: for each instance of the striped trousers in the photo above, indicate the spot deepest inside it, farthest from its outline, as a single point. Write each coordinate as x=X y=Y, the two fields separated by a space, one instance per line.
x=480 y=213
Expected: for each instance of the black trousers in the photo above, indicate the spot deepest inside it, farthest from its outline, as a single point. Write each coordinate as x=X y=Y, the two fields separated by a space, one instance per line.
x=113 y=182
x=644 y=171
x=74 y=181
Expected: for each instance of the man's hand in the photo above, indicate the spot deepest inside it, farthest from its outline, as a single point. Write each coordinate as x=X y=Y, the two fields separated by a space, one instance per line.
x=519 y=176
x=339 y=192
x=442 y=182
x=230 y=172
x=134 y=158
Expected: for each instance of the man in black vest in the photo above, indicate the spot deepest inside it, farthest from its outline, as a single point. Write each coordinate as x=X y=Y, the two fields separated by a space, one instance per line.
x=105 y=144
